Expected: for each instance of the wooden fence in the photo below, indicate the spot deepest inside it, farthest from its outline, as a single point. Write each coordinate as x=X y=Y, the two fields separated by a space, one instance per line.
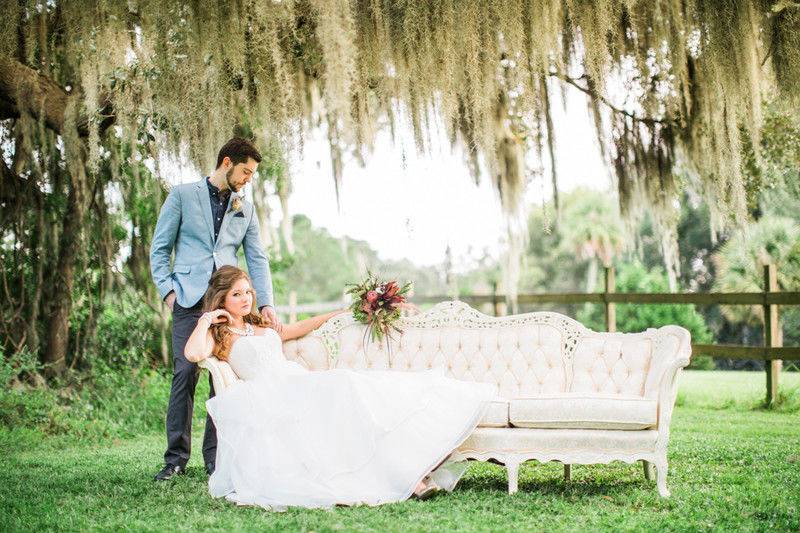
x=772 y=352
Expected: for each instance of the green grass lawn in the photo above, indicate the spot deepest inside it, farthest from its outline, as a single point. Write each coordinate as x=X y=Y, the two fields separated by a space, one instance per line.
x=732 y=467
x=716 y=389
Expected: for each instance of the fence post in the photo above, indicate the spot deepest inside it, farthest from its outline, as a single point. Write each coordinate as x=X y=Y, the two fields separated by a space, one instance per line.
x=611 y=307
x=772 y=333
x=495 y=301
x=292 y=306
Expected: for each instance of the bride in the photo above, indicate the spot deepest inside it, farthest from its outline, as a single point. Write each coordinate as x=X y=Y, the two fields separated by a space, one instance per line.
x=293 y=437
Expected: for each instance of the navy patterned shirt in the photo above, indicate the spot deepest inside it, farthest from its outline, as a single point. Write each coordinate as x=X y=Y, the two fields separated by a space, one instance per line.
x=219 y=203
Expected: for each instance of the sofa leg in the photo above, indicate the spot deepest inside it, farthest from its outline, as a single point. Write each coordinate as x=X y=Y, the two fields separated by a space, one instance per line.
x=512 y=467
x=648 y=470
x=567 y=473
x=661 y=478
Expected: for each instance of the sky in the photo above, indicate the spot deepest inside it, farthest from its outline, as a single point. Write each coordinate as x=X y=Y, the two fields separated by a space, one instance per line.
x=408 y=205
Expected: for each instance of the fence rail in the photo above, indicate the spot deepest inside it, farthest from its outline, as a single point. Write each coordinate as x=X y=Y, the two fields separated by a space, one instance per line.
x=704 y=298
x=772 y=352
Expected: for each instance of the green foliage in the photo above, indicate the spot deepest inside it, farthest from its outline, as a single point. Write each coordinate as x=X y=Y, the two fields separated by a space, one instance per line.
x=16 y=365
x=323 y=265
x=567 y=258
x=113 y=390
x=632 y=318
x=740 y=262
x=103 y=402
x=127 y=333
x=591 y=227
x=776 y=165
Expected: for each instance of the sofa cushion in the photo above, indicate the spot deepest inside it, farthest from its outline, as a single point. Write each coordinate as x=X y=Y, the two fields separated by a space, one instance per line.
x=496 y=415
x=584 y=411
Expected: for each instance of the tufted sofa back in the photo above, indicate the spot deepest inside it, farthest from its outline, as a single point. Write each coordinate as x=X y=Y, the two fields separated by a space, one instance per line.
x=522 y=355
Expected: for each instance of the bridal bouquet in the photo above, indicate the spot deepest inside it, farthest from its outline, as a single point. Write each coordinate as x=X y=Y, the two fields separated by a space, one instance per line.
x=378 y=304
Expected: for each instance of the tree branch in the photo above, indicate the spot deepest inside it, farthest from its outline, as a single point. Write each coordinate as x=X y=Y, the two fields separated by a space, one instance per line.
x=23 y=88
x=600 y=98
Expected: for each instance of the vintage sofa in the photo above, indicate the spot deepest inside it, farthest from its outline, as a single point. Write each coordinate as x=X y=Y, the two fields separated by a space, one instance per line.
x=564 y=393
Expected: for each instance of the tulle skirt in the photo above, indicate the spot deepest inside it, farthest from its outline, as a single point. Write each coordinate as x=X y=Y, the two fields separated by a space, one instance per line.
x=318 y=439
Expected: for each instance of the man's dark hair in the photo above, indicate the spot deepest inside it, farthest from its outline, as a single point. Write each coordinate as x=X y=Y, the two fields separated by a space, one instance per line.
x=238 y=149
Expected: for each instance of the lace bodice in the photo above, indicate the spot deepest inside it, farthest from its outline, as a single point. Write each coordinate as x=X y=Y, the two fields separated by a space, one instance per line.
x=256 y=355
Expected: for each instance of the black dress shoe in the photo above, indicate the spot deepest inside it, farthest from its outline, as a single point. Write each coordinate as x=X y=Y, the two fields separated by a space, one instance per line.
x=210 y=468
x=168 y=471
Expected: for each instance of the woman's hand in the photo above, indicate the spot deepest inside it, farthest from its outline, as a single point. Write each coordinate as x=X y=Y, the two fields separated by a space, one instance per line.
x=200 y=343
x=217 y=316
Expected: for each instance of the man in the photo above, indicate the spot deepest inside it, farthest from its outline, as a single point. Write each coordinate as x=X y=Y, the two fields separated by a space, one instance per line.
x=205 y=223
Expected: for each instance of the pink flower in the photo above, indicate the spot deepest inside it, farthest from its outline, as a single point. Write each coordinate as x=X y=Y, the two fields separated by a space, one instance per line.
x=372 y=296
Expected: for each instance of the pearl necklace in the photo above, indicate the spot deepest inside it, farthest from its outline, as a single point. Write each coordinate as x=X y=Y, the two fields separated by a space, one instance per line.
x=248 y=330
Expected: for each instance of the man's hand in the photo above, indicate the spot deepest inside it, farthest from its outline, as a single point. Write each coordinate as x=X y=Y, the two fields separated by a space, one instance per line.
x=170 y=300
x=269 y=313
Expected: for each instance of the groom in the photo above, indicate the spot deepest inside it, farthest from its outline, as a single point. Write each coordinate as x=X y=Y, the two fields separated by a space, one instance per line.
x=204 y=223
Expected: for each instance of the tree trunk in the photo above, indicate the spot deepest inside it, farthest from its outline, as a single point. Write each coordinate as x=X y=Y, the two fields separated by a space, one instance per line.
x=591 y=281
x=286 y=221
x=591 y=275
x=32 y=338
x=63 y=280
x=268 y=234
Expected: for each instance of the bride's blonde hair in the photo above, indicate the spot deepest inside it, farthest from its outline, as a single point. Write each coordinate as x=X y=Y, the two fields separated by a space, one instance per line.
x=219 y=286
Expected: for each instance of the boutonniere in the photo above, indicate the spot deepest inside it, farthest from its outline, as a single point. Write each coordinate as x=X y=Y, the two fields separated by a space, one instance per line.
x=236 y=203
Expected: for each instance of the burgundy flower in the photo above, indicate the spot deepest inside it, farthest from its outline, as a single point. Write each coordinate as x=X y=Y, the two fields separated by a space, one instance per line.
x=390 y=289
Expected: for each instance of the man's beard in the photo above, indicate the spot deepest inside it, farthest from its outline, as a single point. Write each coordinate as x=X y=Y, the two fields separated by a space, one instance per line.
x=228 y=175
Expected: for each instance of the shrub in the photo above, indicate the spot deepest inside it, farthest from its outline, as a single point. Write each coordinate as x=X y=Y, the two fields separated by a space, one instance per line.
x=127 y=333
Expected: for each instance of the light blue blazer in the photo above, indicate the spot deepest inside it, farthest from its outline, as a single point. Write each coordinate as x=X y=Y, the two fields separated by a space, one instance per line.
x=185 y=226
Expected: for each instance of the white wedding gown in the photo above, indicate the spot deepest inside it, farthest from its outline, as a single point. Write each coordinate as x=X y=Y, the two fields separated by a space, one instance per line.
x=292 y=437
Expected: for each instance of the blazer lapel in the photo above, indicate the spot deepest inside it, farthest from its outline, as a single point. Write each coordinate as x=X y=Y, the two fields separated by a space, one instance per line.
x=205 y=206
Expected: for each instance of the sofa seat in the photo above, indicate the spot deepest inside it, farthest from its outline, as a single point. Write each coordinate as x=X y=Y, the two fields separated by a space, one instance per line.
x=583 y=411
x=496 y=415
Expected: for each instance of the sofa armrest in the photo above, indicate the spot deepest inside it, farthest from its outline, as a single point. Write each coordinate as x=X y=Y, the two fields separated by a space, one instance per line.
x=214 y=367
x=672 y=352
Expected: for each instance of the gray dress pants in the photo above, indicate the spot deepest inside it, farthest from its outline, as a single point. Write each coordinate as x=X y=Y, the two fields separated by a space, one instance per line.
x=181 y=395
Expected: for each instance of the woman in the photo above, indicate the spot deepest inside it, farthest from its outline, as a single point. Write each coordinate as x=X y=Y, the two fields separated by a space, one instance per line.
x=292 y=437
